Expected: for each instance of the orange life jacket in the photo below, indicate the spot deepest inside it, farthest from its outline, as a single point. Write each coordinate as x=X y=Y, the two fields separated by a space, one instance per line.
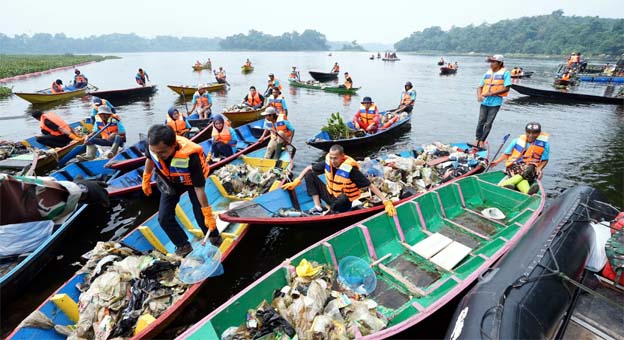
x=340 y=182
x=179 y=125
x=275 y=83
x=253 y=100
x=406 y=98
x=224 y=136
x=56 y=88
x=368 y=117
x=293 y=75
x=79 y=78
x=565 y=76
x=178 y=170
x=348 y=83
x=202 y=99
x=336 y=69
x=221 y=75
x=280 y=126
x=494 y=81
x=113 y=128
x=532 y=155
x=56 y=120
x=278 y=104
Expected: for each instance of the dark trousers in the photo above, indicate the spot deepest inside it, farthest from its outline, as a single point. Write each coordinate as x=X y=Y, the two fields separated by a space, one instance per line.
x=167 y=217
x=221 y=150
x=406 y=108
x=108 y=142
x=54 y=141
x=487 y=114
x=314 y=186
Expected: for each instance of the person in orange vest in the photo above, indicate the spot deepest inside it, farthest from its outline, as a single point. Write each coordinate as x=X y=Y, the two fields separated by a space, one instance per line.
x=336 y=68
x=525 y=159
x=408 y=98
x=272 y=82
x=277 y=100
x=253 y=99
x=224 y=140
x=348 y=83
x=221 y=76
x=294 y=74
x=344 y=184
x=141 y=77
x=202 y=101
x=178 y=122
x=565 y=76
x=367 y=118
x=494 y=87
x=180 y=167
x=96 y=105
x=248 y=63
x=198 y=64
x=56 y=132
x=114 y=135
x=80 y=80
x=280 y=129
x=57 y=86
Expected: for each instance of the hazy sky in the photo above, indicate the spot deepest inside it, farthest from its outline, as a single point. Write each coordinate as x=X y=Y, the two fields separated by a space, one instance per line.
x=365 y=20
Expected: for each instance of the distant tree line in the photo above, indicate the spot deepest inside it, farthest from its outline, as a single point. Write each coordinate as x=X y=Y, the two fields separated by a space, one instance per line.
x=544 y=34
x=309 y=40
x=352 y=46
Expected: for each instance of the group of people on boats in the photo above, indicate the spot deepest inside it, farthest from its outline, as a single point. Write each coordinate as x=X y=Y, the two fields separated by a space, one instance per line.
x=451 y=66
x=390 y=55
x=80 y=81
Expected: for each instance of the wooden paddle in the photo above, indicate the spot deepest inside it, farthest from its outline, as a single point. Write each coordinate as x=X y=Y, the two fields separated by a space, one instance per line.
x=497 y=151
x=80 y=149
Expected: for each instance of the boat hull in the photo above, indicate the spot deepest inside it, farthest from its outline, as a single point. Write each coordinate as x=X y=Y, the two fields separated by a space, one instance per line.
x=141 y=91
x=323 y=77
x=188 y=91
x=43 y=98
x=567 y=96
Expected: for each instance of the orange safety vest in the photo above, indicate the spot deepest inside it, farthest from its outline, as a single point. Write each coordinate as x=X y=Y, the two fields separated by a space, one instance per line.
x=253 y=100
x=565 y=76
x=336 y=69
x=56 y=120
x=348 y=83
x=494 y=81
x=221 y=75
x=407 y=97
x=178 y=170
x=277 y=103
x=224 y=136
x=179 y=125
x=80 y=79
x=56 y=88
x=293 y=75
x=280 y=126
x=275 y=81
x=202 y=100
x=113 y=128
x=368 y=117
x=532 y=155
x=340 y=183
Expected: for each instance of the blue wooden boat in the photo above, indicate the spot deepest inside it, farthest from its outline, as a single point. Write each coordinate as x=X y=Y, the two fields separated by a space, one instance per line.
x=86 y=170
x=247 y=134
x=323 y=141
x=266 y=208
x=61 y=306
x=601 y=79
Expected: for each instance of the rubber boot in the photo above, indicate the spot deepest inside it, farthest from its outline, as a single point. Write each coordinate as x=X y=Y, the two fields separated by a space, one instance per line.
x=89 y=155
x=523 y=186
x=113 y=150
x=513 y=180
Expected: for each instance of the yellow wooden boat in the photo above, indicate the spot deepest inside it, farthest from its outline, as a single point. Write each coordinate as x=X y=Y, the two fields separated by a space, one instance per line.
x=43 y=97
x=247 y=69
x=238 y=118
x=190 y=90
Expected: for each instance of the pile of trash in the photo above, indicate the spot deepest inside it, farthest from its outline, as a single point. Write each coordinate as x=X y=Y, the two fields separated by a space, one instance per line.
x=238 y=108
x=121 y=285
x=313 y=306
x=246 y=181
x=399 y=177
x=10 y=149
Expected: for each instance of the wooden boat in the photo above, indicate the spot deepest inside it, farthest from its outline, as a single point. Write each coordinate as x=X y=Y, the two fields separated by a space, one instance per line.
x=247 y=69
x=265 y=208
x=134 y=156
x=315 y=85
x=390 y=59
x=188 y=91
x=323 y=141
x=341 y=90
x=46 y=157
x=247 y=134
x=323 y=76
x=42 y=97
x=415 y=274
x=601 y=78
x=440 y=63
x=527 y=74
x=28 y=266
x=509 y=303
x=140 y=91
x=567 y=96
x=447 y=70
x=320 y=86
x=238 y=118
x=149 y=236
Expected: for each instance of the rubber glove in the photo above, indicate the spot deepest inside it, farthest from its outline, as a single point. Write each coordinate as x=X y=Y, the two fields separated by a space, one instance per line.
x=390 y=209
x=146 y=185
x=77 y=138
x=209 y=219
x=292 y=185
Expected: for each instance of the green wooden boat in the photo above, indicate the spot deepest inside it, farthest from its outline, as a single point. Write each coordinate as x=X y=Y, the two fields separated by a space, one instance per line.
x=297 y=83
x=438 y=245
x=341 y=90
x=319 y=86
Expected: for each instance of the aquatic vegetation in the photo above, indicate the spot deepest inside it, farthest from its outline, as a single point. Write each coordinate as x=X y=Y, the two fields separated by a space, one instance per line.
x=5 y=91
x=16 y=64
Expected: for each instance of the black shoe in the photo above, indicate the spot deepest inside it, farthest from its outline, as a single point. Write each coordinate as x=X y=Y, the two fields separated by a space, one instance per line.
x=510 y=186
x=184 y=250
x=533 y=189
x=315 y=211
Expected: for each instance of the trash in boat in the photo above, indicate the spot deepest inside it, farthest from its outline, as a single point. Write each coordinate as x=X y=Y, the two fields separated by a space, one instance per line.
x=493 y=213
x=238 y=108
x=310 y=308
x=203 y=262
x=356 y=275
x=246 y=181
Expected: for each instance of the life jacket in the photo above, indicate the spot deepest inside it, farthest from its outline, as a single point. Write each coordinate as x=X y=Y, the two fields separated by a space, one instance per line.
x=202 y=99
x=532 y=155
x=179 y=125
x=565 y=76
x=253 y=100
x=280 y=125
x=221 y=74
x=278 y=103
x=275 y=83
x=348 y=83
x=223 y=136
x=140 y=78
x=494 y=81
x=575 y=58
x=368 y=117
x=113 y=128
x=79 y=78
x=178 y=170
x=336 y=69
x=340 y=183
x=56 y=88
x=293 y=75
x=56 y=120
x=407 y=97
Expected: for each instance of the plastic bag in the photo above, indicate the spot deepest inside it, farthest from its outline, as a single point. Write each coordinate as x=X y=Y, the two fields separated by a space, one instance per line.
x=20 y=238
x=306 y=269
x=201 y=263
x=597 y=255
x=372 y=167
x=356 y=274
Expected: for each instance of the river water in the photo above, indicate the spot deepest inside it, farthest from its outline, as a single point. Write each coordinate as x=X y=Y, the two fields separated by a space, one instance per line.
x=587 y=144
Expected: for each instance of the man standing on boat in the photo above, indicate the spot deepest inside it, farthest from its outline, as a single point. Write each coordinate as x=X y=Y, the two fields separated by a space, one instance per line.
x=202 y=101
x=141 y=77
x=345 y=183
x=294 y=74
x=525 y=159
x=280 y=129
x=494 y=86
x=56 y=132
x=180 y=167
x=253 y=99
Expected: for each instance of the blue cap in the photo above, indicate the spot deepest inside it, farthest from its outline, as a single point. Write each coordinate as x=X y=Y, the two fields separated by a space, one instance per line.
x=97 y=100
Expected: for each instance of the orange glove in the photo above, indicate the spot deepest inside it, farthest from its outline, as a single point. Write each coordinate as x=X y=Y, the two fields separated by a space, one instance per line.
x=292 y=185
x=209 y=219
x=146 y=185
x=390 y=209
x=76 y=137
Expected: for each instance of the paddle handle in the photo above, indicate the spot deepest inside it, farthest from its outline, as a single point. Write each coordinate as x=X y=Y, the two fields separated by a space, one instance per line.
x=505 y=138
x=79 y=149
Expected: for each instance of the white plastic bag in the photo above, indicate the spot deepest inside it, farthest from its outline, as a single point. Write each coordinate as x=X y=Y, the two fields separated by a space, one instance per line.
x=597 y=256
x=20 y=238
